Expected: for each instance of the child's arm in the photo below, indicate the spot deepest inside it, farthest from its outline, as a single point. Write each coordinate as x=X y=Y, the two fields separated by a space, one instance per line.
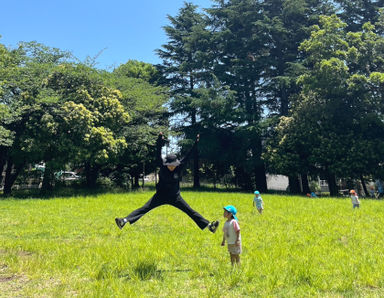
x=238 y=238
x=237 y=231
x=223 y=242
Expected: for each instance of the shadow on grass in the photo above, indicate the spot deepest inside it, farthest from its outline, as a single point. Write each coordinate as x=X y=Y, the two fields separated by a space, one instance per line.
x=144 y=270
x=81 y=191
x=68 y=192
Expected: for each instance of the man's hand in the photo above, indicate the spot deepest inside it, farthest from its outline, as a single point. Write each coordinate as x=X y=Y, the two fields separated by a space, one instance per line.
x=162 y=137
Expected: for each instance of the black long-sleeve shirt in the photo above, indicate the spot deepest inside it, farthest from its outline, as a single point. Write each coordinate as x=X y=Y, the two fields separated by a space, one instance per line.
x=169 y=181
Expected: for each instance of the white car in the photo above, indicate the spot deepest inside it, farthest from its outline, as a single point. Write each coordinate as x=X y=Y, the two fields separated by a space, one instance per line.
x=67 y=176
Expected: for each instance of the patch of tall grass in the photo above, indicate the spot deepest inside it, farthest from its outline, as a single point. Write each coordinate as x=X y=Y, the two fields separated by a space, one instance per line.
x=298 y=247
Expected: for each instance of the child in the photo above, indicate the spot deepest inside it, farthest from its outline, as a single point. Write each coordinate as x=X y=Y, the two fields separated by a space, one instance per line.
x=355 y=199
x=168 y=190
x=231 y=234
x=258 y=202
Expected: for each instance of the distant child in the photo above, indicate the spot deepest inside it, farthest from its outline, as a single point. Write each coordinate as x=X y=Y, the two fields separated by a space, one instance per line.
x=231 y=234
x=355 y=199
x=258 y=202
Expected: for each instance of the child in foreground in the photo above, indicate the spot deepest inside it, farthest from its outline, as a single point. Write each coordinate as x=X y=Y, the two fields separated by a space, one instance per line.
x=231 y=234
x=258 y=202
x=355 y=199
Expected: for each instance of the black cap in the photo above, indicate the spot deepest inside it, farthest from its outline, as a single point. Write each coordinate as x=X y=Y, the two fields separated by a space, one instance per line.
x=171 y=160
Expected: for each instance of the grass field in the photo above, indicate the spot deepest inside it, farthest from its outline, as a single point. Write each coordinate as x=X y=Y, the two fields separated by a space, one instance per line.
x=299 y=247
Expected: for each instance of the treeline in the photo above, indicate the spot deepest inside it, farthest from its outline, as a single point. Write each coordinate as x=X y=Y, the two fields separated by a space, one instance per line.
x=289 y=87
x=69 y=114
x=292 y=87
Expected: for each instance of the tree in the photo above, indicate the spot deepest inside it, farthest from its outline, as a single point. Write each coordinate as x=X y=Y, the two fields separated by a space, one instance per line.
x=239 y=45
x=337 y=122
x=24 y=105
x=356 y=13
x=184 y=58
x=145 y=100
x=93 y=115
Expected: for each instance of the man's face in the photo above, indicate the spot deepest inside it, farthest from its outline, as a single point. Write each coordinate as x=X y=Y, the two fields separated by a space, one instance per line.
x=171 y=168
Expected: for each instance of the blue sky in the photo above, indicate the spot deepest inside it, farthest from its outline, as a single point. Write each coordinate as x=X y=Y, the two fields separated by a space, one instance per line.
x=121 y=29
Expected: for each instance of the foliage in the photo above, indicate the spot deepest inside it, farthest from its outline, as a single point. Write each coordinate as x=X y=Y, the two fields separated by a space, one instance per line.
x=336 y=124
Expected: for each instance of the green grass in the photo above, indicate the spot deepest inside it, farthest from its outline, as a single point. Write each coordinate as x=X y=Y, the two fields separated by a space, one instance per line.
x=299 y=247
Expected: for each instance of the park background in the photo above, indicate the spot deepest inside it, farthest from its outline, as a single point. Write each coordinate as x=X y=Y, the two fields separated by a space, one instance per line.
x=291 y=88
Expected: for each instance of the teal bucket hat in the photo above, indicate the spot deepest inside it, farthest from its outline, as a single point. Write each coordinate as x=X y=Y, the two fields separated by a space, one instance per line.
x=231 y=209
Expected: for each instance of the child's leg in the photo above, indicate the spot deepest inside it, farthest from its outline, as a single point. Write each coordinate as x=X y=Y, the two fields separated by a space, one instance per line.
x=237 y=259
x=233 y=259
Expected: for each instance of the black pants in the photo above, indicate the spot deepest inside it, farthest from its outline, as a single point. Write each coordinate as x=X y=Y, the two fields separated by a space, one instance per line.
x=176 y=201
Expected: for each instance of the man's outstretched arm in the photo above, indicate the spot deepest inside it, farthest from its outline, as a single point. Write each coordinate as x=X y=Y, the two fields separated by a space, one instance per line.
x=159 y=144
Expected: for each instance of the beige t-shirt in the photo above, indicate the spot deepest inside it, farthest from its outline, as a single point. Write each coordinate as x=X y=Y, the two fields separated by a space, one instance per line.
x=230 y=228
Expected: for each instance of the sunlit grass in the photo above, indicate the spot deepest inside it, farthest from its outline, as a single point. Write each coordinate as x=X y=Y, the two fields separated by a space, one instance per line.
x=298 y=247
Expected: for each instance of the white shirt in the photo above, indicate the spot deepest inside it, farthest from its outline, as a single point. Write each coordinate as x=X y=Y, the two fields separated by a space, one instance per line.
x=355 y=200
x=230 y=228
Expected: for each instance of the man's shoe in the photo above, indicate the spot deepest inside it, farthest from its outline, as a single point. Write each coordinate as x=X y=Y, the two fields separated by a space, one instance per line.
x=120 y=222
x=213 y=226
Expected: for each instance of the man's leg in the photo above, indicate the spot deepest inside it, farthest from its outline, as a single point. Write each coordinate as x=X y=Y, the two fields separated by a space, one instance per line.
x=134 y=216
x=194 y=215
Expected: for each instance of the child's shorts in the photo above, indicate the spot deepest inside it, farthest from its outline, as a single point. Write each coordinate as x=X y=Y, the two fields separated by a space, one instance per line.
x=234 y=249
x=356 y=206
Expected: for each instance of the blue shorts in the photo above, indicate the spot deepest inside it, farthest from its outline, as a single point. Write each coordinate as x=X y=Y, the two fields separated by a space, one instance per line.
x=356 y=206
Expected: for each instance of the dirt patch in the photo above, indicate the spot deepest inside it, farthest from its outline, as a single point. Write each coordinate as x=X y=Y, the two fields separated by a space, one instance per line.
x=24 y=253
x=7 y=278
x=11 y=285
x=21 y=253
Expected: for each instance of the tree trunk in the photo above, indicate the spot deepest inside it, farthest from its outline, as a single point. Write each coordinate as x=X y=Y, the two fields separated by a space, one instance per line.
x=243 y=179
x=305 y=183
x=294 y=185
x=196 y=176
x=331 y=179
x=48 y=177
x=91 y=174
x=260 y=175
x=136 y=181
x=10 y=177
x=261 y=178
x=364 y=185
x=3 y=161
x=143 y=180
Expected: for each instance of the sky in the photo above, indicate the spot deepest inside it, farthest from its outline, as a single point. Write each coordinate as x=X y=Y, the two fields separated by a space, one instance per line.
x=114 y=31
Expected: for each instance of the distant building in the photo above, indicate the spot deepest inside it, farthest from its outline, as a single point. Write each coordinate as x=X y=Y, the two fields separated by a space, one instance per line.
x=277 y=182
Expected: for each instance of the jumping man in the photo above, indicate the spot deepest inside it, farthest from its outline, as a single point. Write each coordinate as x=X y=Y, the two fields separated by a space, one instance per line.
x=168 y=190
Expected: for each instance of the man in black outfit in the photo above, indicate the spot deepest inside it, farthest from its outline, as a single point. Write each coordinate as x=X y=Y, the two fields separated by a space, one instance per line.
x=168 y=190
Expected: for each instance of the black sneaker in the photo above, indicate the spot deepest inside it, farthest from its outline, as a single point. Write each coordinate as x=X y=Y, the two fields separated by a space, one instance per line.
x=213 y=226
x=120 y=222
